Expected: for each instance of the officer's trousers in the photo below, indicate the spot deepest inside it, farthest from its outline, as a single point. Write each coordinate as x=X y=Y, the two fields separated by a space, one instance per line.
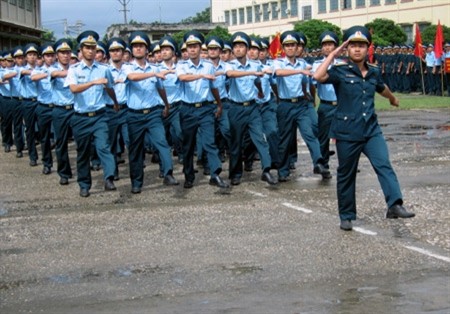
x=270 y=129
x=325 y=114
x=7 y=121
x=243 y=119
x=202 y=119
x=44 y=121
x=29 y=116
x=18 y=124
x=349 y=152
x=115 y=122
x=61 y=119
x=93 y=128
x=173 y=128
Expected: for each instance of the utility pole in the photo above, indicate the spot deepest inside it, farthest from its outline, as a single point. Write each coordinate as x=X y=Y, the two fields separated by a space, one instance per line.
x=124 y=3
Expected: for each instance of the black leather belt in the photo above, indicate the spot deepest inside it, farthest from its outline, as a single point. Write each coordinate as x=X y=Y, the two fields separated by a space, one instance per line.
x=67 y=107
x=91 y=114
x=294 y=100
x=29 y=99
x=16 y=98
x=47 y=105
x=122 y=106
x=245 y=103
x=175 y=104
x=146 y=110
x=197 y=104
x=327 y=102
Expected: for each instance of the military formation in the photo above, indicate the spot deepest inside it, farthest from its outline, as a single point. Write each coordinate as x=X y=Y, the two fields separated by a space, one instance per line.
x=202 y=102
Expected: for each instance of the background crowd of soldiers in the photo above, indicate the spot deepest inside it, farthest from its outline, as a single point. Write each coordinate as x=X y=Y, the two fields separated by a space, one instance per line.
x=28 y=106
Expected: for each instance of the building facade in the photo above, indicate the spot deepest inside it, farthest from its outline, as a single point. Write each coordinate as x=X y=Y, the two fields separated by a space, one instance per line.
x=20 y=22
x=266 y=18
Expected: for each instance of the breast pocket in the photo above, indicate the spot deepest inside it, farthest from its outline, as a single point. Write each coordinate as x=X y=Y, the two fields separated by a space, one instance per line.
x=344 y=124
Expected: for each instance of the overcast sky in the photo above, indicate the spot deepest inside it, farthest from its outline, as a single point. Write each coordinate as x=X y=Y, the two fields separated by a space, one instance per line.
x=99 y=14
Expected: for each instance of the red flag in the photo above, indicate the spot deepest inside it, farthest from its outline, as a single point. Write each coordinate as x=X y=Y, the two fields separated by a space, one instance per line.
x=275 y=47
x=371 y=48
x=438 y=40
x=418 y=51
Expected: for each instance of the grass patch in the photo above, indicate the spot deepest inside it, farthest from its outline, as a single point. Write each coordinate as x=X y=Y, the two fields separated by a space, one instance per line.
x=412 y=101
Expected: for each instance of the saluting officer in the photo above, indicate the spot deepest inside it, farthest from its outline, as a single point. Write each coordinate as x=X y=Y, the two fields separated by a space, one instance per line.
x=355 y=125
x=90 y=81
x=146 y=97
x=63 y=99
x=244 y=113
x=42 y=77
x=198 y=111
x=294 y=109
x=327 y=96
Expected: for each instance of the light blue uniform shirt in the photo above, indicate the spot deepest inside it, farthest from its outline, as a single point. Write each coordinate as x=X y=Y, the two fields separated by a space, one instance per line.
x=243 y=89
x=142 y=94
x=44 y=86
x=430 y=59
x=290 y=86
x=14 y=83
x=62 y=95
x=171 y=84
x=95 y=97
x=120 y=89
x=28 y=88
x=198 y=90
x=4 y=86
x=221 y=80
x=324 y=91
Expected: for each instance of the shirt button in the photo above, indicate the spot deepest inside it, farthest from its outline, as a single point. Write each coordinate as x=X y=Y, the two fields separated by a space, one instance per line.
x=345 y=118
x=364 y=114
x=364 y=103
x=351 y=81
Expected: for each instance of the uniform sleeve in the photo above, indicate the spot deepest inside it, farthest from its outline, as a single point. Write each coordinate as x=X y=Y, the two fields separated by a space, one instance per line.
x=229 y=67
x=110 y=78
x=159 y=83
x=333 y=76
x=380 y=83
x=71 y=78
x=180 y=69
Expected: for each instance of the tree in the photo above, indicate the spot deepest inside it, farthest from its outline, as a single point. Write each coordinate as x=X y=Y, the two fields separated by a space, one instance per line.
x=201 y=17
x=48 y=36
x=220 y=32
x=313 y=28
x=429 y=34
x=386 y=30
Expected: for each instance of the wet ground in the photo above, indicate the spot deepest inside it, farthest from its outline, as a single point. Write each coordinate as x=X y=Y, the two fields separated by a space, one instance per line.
x=255 y=250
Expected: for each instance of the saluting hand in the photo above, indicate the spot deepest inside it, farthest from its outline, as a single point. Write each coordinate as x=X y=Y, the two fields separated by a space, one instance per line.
x=395 y=102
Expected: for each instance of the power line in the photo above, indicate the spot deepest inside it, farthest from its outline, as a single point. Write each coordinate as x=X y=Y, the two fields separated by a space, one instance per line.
x=124 y=3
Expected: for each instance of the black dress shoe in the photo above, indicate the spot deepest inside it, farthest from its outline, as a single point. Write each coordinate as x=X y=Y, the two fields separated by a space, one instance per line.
x=116 y=177
x=346 y=225
x=109 y=185
x=19 y=155
x=33 y=163
x=95 y=167
x=292 y=166
x=327 y=175
x=161 y=174
x=47 y=170
x=64 y=181
x=248 y=166
x=170 y=180
x=217 y=181
x=120 y=160
x=206 y=171
x=235 y=181
x=7 y=148
x=84 y=192
x=320 y=169
x=283 y=179
x=135 y=190
x=398 y=211
x=267 y=177
x=188 y=184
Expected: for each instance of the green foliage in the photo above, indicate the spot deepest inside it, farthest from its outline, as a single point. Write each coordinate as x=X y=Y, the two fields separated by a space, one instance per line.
x=48 y=36
x=412 y=101
x=313 y=28
x=201 y=17
x=388 y=31
x=220 y=32
x=429 y=34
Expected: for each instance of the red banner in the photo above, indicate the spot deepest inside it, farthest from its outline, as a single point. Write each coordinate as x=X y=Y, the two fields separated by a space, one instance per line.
x=275 y=49
x=439 y=39
x=418 y=51
x=447 y=65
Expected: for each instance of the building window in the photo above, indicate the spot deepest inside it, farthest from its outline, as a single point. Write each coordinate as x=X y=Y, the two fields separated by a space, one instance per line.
x=374 y=2
x=390 y=1
x=284 y=9
x=294 y=8
x=360 y=3
x=257 y=13
x=322 y=6
x=233 y=17
x=21 y=4
x=275 y=10
x=241 y=16
x=306 y=12
x=408 y=29
x=227 y=17
x=346 y=4
x=334 y=5
x=266 y=12
x=13 y=2
x=249 y=15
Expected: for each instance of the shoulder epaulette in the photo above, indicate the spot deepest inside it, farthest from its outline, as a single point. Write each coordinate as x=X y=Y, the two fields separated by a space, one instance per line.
x=342 y=62
x=372 y=65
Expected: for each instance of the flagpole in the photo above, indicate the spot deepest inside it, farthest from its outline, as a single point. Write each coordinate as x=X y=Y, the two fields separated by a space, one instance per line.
x=442 y=81
x=421 y=76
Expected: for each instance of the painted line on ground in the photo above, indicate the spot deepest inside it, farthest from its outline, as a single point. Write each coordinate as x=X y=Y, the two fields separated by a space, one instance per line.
x=257 y=193
x=365 y=231
x=304 y=210
x=428 y=253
